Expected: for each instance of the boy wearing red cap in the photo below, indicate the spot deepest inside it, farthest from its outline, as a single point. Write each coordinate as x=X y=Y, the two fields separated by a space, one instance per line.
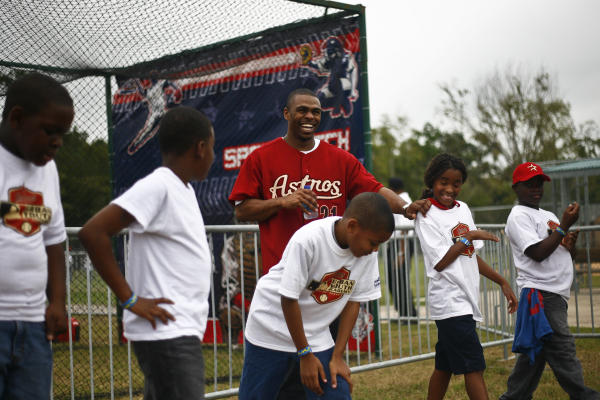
x=542 y=251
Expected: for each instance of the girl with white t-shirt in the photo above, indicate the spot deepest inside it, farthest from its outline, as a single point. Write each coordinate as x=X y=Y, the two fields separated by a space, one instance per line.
x=449 y=238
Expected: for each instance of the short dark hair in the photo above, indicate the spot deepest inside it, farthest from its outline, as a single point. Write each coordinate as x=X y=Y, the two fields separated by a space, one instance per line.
x=298 y=92
x=372 y=211
x=436 y=168
x=33 y=91
x=182 y=127
x=396 y=184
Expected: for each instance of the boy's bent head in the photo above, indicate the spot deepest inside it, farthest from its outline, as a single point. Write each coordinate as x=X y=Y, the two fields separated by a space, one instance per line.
x=372 y=212
x=181 y=128
x=33 y=92
x=37 y=113
x=370 y=222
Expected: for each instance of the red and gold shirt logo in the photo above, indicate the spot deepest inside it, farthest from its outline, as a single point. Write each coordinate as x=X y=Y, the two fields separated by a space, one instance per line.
x=552 y=225
x=26 y=211
x=333 y=286
x=457 y=232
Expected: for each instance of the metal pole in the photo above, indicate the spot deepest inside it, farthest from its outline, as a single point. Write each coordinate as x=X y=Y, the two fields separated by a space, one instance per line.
x=364 y=89
x=109 y=128
x=364 y=92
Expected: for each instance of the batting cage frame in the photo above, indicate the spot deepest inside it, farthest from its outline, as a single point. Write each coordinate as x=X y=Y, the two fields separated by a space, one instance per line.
x=92 y=50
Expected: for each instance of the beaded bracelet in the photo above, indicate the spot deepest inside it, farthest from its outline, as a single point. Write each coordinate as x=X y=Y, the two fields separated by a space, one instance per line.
x=304 y=351
x=130 y=303
x=465 y=241
x=561 y=231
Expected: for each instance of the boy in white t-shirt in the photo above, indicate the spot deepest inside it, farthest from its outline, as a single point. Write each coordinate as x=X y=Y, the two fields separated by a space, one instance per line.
x=37 y=113
x=169 y=263
x=542 y=249
x=328 y=267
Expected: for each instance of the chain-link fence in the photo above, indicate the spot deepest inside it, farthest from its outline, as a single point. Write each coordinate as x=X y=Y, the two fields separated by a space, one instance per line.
x=394 y=330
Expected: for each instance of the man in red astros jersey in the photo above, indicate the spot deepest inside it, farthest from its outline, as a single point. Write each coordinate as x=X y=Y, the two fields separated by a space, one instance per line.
x=270 y=187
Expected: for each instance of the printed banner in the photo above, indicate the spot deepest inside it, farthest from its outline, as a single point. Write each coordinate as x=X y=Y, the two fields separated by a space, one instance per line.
x=242 y=87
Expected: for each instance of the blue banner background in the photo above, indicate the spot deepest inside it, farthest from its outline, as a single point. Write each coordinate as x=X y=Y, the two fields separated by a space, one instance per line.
x=246 y=107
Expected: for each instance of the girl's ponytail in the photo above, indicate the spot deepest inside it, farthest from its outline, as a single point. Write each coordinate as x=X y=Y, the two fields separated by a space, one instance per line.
x=427 y=193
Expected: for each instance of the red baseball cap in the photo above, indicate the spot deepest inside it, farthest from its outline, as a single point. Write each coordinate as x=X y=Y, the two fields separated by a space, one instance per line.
x=526 y=171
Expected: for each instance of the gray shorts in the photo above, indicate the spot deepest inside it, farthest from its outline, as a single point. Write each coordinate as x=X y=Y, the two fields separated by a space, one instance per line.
x=173 y=368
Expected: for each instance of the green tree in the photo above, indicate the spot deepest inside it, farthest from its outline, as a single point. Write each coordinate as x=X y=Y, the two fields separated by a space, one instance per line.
x=514 y=118
x=84 y=172
x=385 y=150
x=408 y=159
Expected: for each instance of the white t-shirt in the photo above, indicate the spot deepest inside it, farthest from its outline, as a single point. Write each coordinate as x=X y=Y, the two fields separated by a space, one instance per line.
x=25 y=234
x=401 y=220
x=455 y=290
x=168 y=255
x=527 y=226
x=312 y=258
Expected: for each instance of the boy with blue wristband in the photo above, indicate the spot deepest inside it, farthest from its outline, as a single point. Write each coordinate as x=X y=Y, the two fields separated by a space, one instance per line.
x=328 y=267
x=169 y=264
x=542 y=249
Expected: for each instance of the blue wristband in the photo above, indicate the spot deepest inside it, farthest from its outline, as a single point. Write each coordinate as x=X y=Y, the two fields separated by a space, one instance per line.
x=304 y=351
x=561 y=231
x=130 y=302
x=465 y=241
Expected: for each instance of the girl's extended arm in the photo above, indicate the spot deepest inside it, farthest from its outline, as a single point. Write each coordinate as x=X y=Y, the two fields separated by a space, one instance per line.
x=459 y=247
x=310 y=366
x=488 y=272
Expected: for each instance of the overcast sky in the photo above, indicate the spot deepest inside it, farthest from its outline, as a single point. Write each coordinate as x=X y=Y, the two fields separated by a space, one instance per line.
x=415 y=45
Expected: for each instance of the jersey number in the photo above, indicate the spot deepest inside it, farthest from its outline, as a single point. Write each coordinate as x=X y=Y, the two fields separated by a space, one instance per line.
x=328 y=212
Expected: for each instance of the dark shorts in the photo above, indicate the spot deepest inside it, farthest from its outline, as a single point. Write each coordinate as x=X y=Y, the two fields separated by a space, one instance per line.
x=173 y=368
x=458 y=349
x=265 y=371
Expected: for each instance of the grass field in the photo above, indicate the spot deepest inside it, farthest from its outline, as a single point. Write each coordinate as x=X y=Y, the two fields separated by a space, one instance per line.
x=409 y=381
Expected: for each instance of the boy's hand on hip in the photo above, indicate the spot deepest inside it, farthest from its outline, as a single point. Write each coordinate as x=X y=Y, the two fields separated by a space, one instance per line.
x=337 y=366
x=311 y=370
x=149 y=309
x=56 y=320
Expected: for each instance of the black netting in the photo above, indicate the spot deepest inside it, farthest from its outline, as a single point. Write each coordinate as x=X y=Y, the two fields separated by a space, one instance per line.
x=88 y=37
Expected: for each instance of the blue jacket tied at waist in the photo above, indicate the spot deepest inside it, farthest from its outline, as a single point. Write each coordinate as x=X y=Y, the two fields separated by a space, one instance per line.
x=532 y=325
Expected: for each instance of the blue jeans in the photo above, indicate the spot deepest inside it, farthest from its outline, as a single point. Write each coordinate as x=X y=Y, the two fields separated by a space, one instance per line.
x=558 y=351
x=265 y=371
x=173 y=368
x=25 y=361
